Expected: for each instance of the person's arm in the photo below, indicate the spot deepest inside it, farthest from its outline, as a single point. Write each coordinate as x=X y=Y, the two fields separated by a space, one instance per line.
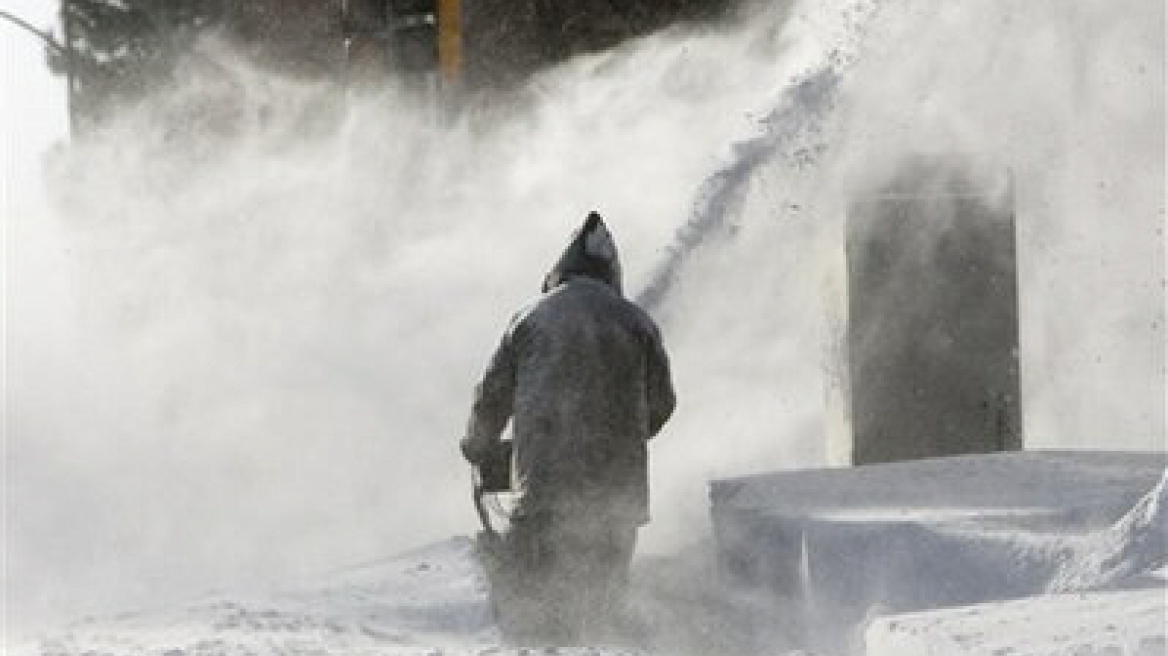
x=660 y=393
x=494 y=398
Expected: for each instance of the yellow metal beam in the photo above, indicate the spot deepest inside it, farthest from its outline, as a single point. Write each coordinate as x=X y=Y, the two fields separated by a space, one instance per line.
x=450 y=40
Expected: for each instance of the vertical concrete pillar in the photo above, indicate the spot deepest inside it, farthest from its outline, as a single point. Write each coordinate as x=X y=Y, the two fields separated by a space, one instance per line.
x=930 y=339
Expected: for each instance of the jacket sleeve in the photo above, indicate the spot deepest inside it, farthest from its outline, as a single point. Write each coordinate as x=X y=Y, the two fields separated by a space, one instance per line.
x=493 y=401
x=660 y=385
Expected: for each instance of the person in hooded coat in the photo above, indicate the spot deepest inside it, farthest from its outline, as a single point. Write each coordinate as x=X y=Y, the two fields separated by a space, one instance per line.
x=583 y=375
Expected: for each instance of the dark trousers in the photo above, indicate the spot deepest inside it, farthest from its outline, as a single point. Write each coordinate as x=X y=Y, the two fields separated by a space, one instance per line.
x=565 y=579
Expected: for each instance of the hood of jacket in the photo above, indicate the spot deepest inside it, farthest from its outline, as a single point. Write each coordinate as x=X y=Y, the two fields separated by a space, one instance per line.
x=590 y=253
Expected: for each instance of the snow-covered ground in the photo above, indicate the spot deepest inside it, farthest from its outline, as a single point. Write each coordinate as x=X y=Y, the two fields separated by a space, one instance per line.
x=429 y=602
x=1094 y=593
x=432 y=601
x=1113 y=623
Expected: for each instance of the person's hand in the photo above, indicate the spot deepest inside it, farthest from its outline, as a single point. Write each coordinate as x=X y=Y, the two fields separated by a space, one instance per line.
x=474 y=452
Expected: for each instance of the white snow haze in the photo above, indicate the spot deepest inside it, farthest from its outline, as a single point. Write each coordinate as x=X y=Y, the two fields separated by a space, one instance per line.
x=240 y=349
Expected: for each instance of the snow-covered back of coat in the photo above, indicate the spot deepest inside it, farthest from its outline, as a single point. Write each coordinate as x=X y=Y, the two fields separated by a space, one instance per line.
x=583 y=375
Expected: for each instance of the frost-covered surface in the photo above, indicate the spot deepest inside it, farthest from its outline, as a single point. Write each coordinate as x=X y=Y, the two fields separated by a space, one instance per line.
x=1122 y=623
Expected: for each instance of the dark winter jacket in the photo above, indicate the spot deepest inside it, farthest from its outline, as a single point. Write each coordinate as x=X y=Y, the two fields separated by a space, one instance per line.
x=584 y=376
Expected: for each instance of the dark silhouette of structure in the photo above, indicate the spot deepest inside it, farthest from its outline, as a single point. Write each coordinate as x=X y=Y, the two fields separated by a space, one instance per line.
x=930 y=352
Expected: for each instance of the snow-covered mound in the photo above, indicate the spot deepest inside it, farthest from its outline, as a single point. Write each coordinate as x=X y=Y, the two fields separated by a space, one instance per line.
x=430 y=602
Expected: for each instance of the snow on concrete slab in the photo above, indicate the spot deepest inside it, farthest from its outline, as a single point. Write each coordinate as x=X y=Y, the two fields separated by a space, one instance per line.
x=1098 y=485
x=1123 y=623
